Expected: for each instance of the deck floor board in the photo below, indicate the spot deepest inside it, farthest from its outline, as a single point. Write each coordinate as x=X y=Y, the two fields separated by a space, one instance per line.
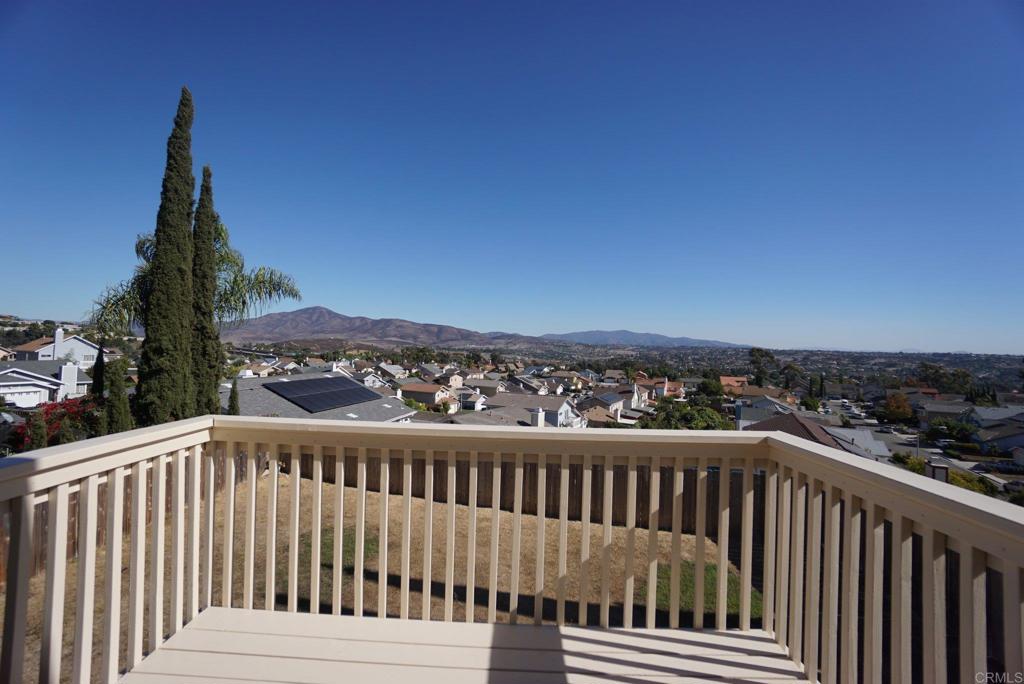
x=235 y=645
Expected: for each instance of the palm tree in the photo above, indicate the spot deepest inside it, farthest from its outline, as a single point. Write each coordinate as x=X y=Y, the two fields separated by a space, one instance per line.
x=241 y=292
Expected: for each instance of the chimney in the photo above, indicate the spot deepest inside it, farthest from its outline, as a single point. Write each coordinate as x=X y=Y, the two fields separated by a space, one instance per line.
x=617 y=413
x=537 y=417
x=68 y=380
x=58 y=341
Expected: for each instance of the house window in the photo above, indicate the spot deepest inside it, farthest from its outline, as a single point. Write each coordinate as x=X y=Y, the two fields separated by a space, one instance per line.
x=90 y=357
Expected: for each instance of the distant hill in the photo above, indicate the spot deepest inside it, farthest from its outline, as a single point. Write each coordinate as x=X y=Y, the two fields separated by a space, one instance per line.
x=318 y=322
x=628 y=338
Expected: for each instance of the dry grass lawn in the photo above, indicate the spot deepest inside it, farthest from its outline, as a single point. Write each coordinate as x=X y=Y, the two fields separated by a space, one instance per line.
x=374 y=545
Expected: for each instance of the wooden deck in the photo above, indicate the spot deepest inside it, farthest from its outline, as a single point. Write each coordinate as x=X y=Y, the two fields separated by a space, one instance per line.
x=234 y=645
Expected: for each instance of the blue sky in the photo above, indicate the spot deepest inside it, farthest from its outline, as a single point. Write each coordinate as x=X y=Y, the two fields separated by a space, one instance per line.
x=846 y=175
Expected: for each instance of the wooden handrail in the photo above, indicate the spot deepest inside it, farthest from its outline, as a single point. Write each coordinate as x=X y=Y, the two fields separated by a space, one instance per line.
x=797 y=511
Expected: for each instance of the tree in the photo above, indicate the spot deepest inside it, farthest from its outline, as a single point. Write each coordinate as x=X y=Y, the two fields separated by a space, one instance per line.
x=791 y=373
x=761 y=361
x=118 y=414
x=36 y=431
x=165 y=377
x=65 y=433
x=811 y=403
x=98 y=369
x=207 y=354
x=676 y=415
x=233 y=408
x=897 y=408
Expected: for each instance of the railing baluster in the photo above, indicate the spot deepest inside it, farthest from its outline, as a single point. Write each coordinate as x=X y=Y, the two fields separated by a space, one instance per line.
x=112 y=584
x=701 y=535
x=193 y=512
x=627 y=603
x=383 y=489
x=249 y=564
x=653 y=513
x=538 y=584
x=449 y=554
x=782 y=578
x=606 y=538
x=517 y=534
x=747 y=544
x=19 y=569
x=227 y=563
x=830 y=606
x=156 y=556
x=137 y=578
x=316 y=526
x=178 y=545
x=357 y=577
x=210 y=526
x=873 y=591
x=492 y=581
x=973 y=632
x=56 y=564
x=933 y=599
x=588 y=479
x=677 y=528
x=294 y=480
x=851 y=575
x=339 y=528
x=771 y=487
x=902 y=555
x=722 y=594
x=82 y=667
x=428 y=532
x=1012 y=651
x=270 y=559
x=563 y=538
x=812 y=601
x=796 y=569
x=471 y=541
x=406 y=530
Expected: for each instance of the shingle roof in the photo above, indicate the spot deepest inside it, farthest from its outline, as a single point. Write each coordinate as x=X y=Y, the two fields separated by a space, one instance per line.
x=798 y=426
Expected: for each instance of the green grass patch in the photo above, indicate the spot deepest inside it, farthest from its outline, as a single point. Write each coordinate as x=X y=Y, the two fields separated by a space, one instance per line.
x=686 y=590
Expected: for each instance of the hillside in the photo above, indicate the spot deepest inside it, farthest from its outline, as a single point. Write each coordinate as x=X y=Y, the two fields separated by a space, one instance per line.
x=317 y=322
x=320 y=322
x=628 y=338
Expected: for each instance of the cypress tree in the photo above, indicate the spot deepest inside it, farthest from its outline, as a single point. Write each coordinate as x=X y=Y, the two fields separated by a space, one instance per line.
x=97 y=375
x=36 y=431
x=165 y=377
x=118 y=416
x=233 y=409
x=206 y=349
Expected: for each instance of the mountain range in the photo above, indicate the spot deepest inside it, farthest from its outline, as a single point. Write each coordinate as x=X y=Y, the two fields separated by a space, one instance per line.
x=318 y=322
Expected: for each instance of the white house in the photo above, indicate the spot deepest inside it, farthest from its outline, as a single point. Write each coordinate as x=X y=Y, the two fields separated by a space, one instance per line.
x=27 y=384
x=74 y=349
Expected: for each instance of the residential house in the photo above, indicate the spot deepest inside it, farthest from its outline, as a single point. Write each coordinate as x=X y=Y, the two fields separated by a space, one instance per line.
x=733 y=384
x=558 y=411
x=691 y=384
x=429 y=394
x=946 y=410
x=471 y=401
x=27 y=384
x=990 y=416
x=393 y=371
x=528 y=384
x=429 y=371
x=334 y=397
x=486 y=387
x=257 y=369
x=6 y=354
x=73 y=348
x=858 y=441
x=614 y=377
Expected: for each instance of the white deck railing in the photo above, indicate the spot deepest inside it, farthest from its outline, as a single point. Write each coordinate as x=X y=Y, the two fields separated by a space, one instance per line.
x=788 y=492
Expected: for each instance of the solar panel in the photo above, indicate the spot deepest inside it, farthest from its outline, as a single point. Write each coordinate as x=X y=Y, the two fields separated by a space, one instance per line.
x=322 y=394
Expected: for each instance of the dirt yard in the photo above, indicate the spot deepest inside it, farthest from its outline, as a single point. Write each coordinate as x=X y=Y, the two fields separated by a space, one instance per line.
x=373 y=547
